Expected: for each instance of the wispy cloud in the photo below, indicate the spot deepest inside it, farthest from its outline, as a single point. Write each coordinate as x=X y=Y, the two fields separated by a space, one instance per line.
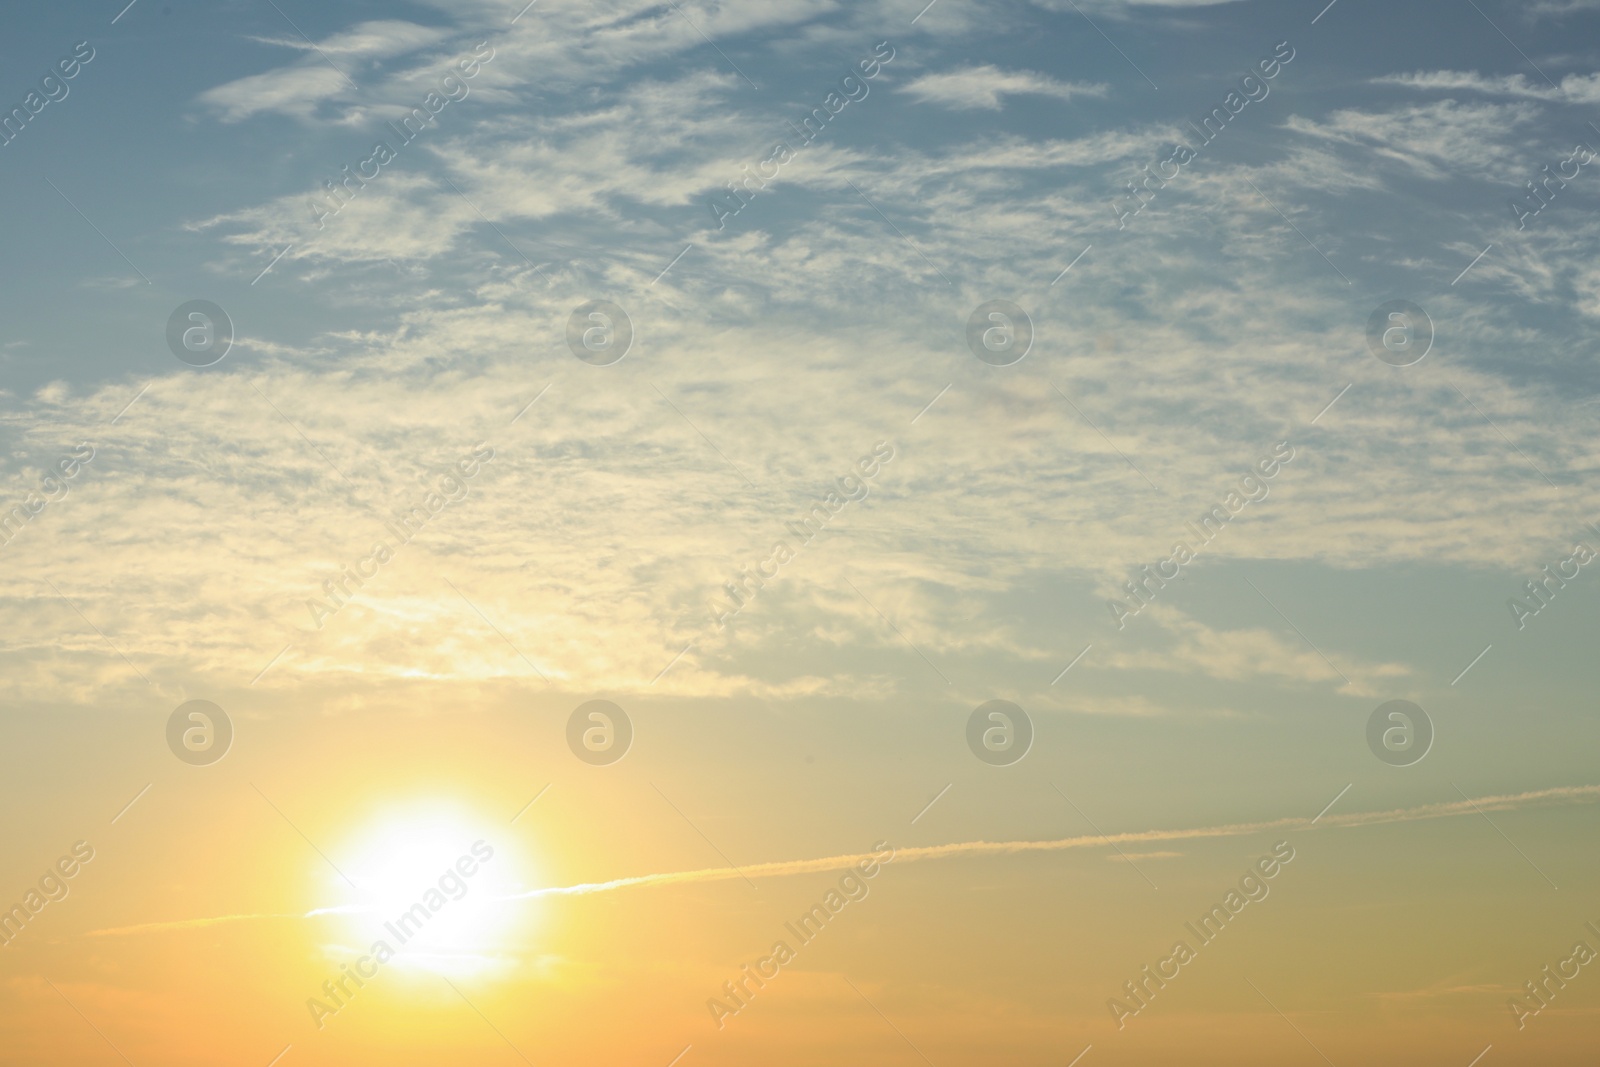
x=296 y=91
x=192 y=924
x=1575 y=88
x=379 y=38
x=984 y=86
x=1441 y=810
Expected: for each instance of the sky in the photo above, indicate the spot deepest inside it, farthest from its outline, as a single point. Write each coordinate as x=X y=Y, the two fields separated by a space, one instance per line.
x=609 y=480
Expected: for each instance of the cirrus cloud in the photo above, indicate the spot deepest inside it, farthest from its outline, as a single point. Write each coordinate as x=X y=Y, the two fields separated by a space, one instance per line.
x=982 y=87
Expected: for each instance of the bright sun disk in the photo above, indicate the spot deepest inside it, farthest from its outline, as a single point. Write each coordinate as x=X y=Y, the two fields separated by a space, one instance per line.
x=431 y=882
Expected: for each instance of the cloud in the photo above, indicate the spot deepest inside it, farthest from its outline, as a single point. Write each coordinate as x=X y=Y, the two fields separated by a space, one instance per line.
x=1558 y=8
x=327 y=73
x=1115 y=6
x=379 y=38
x=1436 y=141
x=442 y=326
x=982 y=87
x=297 y=91
x=1574 y=88
x=1244 y=654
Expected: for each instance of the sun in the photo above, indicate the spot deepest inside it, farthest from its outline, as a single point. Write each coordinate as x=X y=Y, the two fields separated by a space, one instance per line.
x=431 y=881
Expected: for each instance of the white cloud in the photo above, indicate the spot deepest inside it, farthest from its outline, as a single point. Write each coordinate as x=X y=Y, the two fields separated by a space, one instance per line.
x=297 y=91
x=982 y=87
x=325 y=74
x=795 y=340
x=1247 y=654
x=1574 y=88
x=1115 y=5
x=380 y=38
x=1438 y=141
x=1562 y=7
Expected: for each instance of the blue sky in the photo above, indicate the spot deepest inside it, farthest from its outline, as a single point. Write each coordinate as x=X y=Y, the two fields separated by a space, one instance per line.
x=984 y=160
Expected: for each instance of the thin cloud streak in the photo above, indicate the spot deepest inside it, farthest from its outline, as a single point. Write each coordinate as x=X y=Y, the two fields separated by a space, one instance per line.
x=784 y=868
x=1441 y=810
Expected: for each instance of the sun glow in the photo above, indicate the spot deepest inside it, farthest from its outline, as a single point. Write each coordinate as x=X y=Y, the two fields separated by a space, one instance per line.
x=431 y=881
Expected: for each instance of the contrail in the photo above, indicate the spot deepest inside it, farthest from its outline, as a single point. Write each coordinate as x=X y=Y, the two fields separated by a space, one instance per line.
x=785 y=868
x=187 y=924
x=1441 y=810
